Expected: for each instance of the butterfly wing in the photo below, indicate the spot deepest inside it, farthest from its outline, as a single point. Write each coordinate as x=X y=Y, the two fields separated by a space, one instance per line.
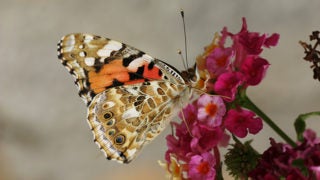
x=130 y=95
x=99 y=63
x=125 y=118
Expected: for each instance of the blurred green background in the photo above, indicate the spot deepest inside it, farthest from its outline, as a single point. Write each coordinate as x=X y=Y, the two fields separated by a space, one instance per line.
x=43 y=128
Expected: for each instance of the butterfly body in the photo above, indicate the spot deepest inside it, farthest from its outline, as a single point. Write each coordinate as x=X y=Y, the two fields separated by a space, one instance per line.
x=131 y=96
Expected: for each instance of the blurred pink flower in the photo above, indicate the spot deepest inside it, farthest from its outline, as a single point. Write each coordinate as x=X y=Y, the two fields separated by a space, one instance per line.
x=316 y=171
x=218 y=61
x=311 y=137
x=278 y=160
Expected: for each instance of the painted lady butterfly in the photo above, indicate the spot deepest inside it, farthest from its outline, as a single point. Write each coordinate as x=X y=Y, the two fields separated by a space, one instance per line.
x=130 y=96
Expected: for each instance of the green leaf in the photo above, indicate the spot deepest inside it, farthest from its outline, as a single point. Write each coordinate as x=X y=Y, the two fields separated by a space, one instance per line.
x=300 y=124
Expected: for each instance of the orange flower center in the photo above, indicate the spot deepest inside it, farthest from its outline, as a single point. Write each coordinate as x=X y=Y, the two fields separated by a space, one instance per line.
x=203 y=168
x=211 y=109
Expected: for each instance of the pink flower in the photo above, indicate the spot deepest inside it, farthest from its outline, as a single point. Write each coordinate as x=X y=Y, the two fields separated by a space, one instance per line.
x=180 y=143
x=189 y=113
x=240 y=122
x=210 y=110
x=311 y=137
x=272 y=40
x=205 y=139
x=254 y=69
x=316 y=171
x=253 y=41
x=247 y=43
x=278 y=161
x=227 y=84
x=202 y=167
x=218 y=60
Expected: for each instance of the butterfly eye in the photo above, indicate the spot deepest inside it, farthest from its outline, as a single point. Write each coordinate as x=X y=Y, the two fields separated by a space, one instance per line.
x=120 y=139
x=108 y=115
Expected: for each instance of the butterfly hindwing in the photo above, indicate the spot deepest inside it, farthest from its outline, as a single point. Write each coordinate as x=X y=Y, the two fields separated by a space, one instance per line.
x=125 y=118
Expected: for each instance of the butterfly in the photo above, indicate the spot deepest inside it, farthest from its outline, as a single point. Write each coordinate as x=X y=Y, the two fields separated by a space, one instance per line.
x=130 y=96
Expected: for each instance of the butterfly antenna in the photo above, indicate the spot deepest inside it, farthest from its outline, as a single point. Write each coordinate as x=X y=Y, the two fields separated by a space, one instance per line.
x=185 y=37
x=182 y=59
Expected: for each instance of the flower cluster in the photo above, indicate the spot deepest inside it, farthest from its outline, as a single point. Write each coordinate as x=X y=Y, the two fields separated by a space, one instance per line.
x=282 y=160
x=193 y=149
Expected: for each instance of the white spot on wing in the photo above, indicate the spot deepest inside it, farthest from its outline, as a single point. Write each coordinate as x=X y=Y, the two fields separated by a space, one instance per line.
x=147 y=57
x=67 y=49
x=131 y=152
x=133 y=92
x=68 y=43
x=131 y=113
x=89 y=61
x=138 y=62
x=88 y=38
x=82 y=54
x=108 y=48
x=108 y=104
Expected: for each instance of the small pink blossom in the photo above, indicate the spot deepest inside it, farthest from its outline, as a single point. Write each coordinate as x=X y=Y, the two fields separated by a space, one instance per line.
x=227 y=84
x=246 y=43
x=218 y=61
x=224 y=141
x=179 y=144
x=205 y=139
x=202 y=167
x=189 y=114
x=316 y=171
x=311 y=137
x=210 y=110
x=240 y=122
x=254 y=70
x=253 y=41
x=272 y=40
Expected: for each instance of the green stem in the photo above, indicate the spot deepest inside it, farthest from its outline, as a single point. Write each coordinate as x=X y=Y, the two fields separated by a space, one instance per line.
x=247 y=103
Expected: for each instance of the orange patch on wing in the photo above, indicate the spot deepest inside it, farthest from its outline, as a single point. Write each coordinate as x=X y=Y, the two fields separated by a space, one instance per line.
x=104 y=78
x=151 y=73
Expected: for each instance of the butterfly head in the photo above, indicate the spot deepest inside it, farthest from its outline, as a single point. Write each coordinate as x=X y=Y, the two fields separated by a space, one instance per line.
x=196 y=79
